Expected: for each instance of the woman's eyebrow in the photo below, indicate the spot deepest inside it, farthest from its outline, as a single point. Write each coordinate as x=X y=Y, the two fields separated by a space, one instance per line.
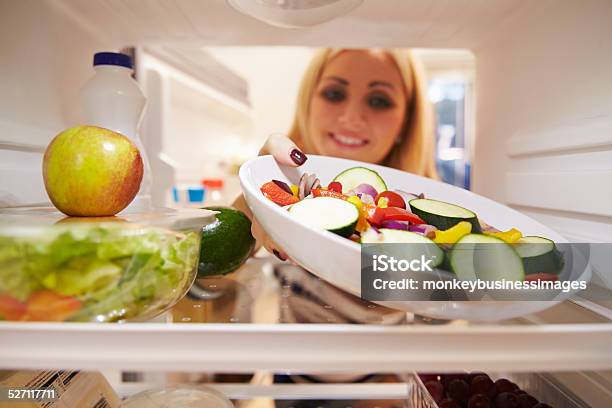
x=337 y=79
x=380 y=83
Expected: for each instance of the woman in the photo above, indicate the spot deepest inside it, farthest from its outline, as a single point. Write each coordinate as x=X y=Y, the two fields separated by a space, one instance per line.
x=368 y=105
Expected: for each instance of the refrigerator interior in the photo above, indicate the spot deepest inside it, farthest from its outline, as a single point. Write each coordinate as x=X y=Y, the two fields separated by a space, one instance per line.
x=542 y=144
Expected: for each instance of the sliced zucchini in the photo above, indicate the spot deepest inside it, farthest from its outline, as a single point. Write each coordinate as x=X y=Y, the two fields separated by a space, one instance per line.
x=351 y=178
x=422 y=245
x=331 y=214
x=539 y=255
x=477 y=256
x=443 y=215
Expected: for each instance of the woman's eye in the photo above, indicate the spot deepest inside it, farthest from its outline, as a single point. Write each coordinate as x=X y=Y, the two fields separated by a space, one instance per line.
x=380 y=102
x=333 y=95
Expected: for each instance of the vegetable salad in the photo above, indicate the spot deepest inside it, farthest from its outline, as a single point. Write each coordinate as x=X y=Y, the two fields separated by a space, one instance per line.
x=103 y=272
x=357 y=205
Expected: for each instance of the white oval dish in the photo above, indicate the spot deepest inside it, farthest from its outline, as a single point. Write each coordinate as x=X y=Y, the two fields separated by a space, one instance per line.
x=337 y=260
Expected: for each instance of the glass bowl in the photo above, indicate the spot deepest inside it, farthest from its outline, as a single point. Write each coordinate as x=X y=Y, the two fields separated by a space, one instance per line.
x=111 y=269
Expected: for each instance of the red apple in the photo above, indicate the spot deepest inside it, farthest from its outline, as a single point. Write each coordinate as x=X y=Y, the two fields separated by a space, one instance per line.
x=91 y=171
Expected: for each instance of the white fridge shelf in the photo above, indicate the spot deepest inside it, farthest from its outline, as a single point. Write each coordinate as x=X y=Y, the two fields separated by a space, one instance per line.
x=205 y=337
x=305 y=347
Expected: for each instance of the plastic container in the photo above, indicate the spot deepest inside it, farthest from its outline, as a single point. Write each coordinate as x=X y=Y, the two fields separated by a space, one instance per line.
x=189 y=195
x=132 y=267
x=215 y=188
x=113 y=100
x=180 y=396
x=540 y=386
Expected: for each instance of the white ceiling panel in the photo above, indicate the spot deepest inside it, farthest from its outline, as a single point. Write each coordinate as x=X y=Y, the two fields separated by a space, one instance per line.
x=422 y=23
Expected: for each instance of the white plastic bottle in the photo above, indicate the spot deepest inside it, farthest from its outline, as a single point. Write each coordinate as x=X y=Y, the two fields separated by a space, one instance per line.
x=113 y=100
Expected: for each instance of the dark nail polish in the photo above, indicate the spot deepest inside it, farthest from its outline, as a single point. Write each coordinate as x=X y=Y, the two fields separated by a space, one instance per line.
x=278 y=255
x=298 y=157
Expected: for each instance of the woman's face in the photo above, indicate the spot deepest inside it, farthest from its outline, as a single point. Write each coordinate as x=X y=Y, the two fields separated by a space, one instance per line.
x=358 y=107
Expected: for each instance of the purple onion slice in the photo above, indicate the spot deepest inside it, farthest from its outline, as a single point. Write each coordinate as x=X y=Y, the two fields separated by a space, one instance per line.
x=283 y=185
x=366 y=189
x=396 y=225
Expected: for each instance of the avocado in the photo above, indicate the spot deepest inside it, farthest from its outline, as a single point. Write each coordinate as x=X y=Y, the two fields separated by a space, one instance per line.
x=226 y=243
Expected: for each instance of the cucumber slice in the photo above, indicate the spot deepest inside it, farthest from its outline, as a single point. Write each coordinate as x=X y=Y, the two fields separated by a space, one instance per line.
x=331 y=214
x=355 y=176
x=539 y=255
x=423 y=245
x=487 y=258
x=443 y=215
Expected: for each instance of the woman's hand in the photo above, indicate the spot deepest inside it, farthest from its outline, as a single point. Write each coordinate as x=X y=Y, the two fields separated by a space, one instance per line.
x=285 y=152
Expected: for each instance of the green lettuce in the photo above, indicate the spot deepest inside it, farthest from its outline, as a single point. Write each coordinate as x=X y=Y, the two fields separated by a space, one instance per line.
x=116 y=272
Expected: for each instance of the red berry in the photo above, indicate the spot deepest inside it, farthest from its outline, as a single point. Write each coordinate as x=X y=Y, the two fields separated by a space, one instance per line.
x=505 y=385
x=448 y=403
x=506 y=400
x=447 y=378
x=479 y=401
x=526 y=401
x=482 y=384
x=518 y=391
x=436 y=390
x=458 y=390
x=475 y=374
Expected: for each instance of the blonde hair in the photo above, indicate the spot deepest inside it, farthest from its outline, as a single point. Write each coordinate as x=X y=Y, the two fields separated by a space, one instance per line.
x=414 y=151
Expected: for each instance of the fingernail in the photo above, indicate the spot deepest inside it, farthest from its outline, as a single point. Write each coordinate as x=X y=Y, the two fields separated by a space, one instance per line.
x=298 y=157
x=278 y=255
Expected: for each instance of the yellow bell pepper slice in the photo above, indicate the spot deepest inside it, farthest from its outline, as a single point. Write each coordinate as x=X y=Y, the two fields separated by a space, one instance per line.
x=511 y=236
x=453 y=234
x=294 y=189
x=362 y=223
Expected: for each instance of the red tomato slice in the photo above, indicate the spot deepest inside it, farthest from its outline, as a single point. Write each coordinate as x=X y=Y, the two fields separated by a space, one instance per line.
x=335 y=186
x=395 y=200
x=11 y=308
x=46 y=305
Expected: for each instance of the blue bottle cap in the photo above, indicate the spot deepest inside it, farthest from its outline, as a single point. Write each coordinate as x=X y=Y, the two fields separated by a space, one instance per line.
x=112 y=58
x=195 y=194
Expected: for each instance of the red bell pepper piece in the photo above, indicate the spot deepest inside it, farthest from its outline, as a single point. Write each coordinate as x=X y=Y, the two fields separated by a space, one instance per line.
x=374 y=214
x=399 y=214
x=277 y=195
x=534 y=277
x=319 y=192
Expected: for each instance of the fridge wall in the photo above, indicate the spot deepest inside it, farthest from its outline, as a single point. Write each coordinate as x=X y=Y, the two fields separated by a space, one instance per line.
x=544 y=117
x=41 y=54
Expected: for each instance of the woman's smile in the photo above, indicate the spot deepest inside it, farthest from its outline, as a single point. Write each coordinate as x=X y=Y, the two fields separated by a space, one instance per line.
x=348 y=139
